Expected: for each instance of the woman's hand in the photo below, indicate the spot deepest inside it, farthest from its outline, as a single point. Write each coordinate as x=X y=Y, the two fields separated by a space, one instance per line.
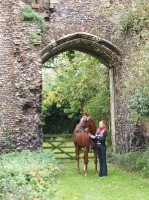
x=91 y=136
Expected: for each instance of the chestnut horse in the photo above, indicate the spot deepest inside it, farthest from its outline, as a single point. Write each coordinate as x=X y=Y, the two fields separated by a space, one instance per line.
x=81 y=140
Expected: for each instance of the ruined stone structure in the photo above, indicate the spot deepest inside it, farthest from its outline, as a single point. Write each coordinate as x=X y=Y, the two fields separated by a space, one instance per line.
x=72 y=24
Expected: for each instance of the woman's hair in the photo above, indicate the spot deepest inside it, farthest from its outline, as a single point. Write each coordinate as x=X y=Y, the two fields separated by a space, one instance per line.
x=104 y=124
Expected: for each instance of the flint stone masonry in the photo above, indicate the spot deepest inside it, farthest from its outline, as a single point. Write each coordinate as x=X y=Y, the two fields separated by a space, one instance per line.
x=72 y=24
x=20 y=82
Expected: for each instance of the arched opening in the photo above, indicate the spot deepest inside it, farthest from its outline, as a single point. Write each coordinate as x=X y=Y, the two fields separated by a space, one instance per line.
x=107 y=53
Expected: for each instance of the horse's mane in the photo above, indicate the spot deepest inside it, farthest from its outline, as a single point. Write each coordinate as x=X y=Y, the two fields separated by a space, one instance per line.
x=93 y=124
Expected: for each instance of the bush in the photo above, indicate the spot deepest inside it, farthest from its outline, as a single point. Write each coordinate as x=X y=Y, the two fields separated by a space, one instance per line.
x=132 y=161
x=28 y=14
x=35 y=36
x=140 y=163
x=28 y=175
x=134 y=19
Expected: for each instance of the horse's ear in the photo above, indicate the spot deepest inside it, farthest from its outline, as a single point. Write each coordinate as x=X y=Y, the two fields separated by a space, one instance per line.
x=86 y=114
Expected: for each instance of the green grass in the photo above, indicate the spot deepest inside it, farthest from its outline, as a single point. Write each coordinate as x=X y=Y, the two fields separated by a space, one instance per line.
x=118 y=184
x=31 y=176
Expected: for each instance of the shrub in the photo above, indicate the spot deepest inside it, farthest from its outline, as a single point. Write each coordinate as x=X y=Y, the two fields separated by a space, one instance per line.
x=35 y=36
x=28 y=14
x=134 y=19
x=132 y=161
x=141 y=163
x=28 y=175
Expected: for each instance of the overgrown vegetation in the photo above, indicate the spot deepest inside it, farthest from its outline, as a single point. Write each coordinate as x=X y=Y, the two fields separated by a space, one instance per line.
x=138 y=85
x=28 y=14
x=134 y=17
x=35 y=36
x=132 y=161
x=8 y=136
x=131 y=21
x=28 y=175
x=128 y=17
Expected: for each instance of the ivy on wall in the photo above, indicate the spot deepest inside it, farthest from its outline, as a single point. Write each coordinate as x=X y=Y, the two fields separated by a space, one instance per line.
x=8 y=136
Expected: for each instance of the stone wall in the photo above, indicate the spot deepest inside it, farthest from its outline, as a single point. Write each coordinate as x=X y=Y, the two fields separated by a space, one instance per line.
x=21 y=58
x=131 y=135
x=69 y=17
x=6 y=66
x=20 y=82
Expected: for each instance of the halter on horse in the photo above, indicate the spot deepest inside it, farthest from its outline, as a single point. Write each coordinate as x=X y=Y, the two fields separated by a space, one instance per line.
x=82 y=140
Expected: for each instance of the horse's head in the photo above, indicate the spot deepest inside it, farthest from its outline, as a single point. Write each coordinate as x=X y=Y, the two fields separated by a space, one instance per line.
x=87 y=122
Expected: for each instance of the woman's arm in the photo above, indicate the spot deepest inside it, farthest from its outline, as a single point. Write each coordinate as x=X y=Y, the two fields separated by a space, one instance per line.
x=100 y=139
x=91 y=136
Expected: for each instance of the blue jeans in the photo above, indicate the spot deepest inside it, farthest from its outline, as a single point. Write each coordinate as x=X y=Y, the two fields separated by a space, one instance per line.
x=101 y=151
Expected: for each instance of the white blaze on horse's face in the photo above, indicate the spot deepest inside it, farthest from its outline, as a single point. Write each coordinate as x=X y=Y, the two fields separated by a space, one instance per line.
x=84 y=118
x=81 y=119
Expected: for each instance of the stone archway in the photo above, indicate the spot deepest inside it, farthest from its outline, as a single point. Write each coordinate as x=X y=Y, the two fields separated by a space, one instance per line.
x=103 y=50
x=106 y=52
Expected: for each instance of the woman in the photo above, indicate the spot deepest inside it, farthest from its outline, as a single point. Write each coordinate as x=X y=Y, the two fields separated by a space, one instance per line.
x=100 y=138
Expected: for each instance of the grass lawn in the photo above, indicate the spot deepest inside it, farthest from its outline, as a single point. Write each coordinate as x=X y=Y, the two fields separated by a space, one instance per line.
x=118 y=185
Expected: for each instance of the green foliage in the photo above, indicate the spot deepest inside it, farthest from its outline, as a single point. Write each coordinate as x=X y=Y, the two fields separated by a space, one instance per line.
x=28 y=175
x=8 y=136
x=54 y=120
x=134 y=18
x=28 y=14
x=81 y=84
x=129 y=17
x=141 y=163
x=57 y=122
x=138 y=85
x=35 y=36
x=132 y=161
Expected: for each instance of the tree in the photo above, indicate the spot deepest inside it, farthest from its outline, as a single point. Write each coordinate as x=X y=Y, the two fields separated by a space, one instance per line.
x=81 y=84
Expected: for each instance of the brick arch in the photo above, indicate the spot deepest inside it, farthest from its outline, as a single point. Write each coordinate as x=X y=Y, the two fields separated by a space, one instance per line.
x=106 y=52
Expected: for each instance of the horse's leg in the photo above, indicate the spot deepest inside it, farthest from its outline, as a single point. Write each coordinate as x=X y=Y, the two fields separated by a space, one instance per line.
x=85 y=160
x=77 y=158
x=95 y=161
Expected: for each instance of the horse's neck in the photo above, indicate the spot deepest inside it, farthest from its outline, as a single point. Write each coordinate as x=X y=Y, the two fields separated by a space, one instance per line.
x=93 y=131
x=93 y=127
